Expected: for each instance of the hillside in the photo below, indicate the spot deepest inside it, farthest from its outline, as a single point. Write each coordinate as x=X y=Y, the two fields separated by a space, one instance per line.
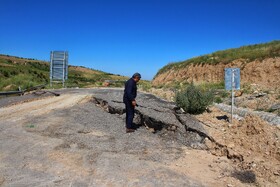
x=259 y=64
x=18 y=72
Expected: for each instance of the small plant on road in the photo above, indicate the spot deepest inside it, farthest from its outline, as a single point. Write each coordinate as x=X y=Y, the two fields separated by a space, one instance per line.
x=30 y=126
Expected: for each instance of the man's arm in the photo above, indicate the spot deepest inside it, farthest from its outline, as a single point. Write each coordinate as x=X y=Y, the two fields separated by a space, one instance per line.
x=129 y=91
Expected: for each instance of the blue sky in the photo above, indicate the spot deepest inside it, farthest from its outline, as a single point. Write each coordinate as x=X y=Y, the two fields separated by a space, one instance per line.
x=127 y=36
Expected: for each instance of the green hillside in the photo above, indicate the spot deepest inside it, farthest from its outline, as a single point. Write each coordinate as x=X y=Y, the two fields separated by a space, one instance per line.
x=20 y=72
x=249 y=53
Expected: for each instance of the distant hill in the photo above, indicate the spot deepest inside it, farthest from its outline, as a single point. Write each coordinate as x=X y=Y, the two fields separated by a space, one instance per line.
x=21 y=72
x=259 y=63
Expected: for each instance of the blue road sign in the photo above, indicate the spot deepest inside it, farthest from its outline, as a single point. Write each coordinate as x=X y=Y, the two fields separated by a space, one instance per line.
x=229 y=72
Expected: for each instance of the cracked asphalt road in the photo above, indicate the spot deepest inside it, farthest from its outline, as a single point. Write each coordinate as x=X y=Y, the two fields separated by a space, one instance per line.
x=78 y=139
x=69 y=141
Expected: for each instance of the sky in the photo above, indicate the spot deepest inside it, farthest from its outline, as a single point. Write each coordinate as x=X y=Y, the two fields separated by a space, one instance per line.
x=127 y=36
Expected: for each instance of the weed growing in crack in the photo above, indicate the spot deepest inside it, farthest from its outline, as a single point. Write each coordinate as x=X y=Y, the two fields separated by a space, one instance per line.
x=30 y=126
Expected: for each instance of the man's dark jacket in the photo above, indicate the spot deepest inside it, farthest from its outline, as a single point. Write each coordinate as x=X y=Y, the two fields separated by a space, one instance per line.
x=130 y=91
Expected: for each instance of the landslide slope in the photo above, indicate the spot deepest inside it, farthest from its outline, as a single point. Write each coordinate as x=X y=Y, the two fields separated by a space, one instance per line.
x=259 y=64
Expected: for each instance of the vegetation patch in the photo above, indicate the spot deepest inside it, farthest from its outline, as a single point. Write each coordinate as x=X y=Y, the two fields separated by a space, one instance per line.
x=18 y=72
x=194 y=100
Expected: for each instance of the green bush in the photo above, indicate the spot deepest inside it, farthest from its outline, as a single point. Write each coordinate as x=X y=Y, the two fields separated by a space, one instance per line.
x=194 y=100
x=6 y=74
x=145 y=86
x=224 y=94
x=212 y=86
x=218 y=100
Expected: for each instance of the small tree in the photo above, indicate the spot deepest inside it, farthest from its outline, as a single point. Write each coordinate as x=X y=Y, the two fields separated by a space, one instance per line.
x=194 y=100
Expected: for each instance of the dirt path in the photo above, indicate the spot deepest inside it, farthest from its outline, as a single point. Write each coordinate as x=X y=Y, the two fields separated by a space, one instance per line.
x=39 y=107
x=69 y=141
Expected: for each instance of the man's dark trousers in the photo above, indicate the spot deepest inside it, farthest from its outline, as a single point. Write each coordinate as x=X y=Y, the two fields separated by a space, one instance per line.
x=130 y=110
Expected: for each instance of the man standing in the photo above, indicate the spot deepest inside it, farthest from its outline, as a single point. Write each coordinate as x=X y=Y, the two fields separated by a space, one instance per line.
x=130 y=93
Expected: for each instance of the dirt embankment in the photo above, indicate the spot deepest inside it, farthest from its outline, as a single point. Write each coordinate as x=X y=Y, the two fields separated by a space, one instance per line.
x=252 y=142
x=264 y=73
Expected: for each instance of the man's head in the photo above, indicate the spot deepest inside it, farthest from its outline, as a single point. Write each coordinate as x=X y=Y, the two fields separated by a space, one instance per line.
x=136 y=76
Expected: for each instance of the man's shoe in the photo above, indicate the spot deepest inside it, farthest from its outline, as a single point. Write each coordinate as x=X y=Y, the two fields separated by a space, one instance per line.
x=129 y=130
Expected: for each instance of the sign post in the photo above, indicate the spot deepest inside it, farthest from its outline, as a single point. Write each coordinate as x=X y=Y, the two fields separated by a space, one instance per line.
x=232 y=82
x=58 y=67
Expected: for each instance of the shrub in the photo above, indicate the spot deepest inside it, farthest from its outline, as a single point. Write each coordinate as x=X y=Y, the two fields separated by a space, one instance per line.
x=212 y=86
x=224 y=94
x=194 y=100
x=218 y=100
x=146 y=86
x=6 y=74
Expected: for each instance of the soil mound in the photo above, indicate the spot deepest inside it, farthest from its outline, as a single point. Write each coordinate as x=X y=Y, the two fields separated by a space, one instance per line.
x=252 y=143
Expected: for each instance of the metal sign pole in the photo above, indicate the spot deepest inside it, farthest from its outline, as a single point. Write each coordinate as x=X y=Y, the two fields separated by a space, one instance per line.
x=232 y=93
x=51 y=69
x=63 y=69
x=232 y=82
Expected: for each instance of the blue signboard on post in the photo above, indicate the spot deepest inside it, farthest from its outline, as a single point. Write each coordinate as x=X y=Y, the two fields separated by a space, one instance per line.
x=232 y=78
x=232 y=82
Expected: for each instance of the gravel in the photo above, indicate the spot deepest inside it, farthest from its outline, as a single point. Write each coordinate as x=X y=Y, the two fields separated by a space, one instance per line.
x=273 y=119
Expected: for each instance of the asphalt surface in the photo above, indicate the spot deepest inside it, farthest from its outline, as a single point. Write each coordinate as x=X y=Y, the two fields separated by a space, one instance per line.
x=86 y=144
